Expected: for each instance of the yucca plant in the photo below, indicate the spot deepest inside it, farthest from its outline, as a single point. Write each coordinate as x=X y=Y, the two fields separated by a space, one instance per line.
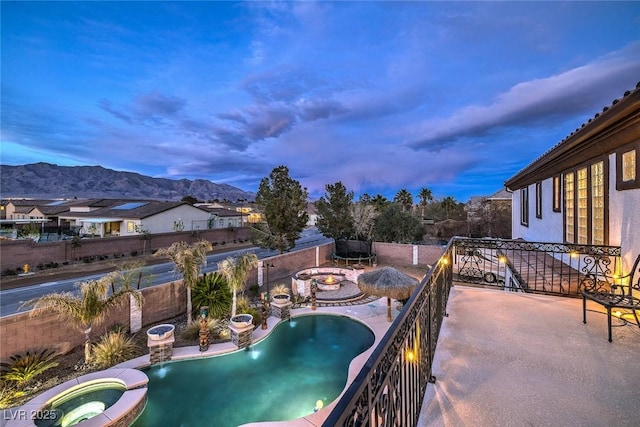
x=24 y=368
x=114 y=347
x=192 y=331
x=211 y=290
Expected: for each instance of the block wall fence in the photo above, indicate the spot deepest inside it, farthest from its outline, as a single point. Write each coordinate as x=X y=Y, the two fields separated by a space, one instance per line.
x=16 y=253
x=21 y=332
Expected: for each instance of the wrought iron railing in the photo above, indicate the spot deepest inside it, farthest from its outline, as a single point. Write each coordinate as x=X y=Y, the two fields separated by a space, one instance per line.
x=390 y=388
x=540 y=267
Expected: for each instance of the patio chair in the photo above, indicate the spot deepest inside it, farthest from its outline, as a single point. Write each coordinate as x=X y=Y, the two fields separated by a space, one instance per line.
x=613 y=292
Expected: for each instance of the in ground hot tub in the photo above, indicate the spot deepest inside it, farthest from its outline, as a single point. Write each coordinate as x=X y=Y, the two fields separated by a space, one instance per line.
x=113 y=397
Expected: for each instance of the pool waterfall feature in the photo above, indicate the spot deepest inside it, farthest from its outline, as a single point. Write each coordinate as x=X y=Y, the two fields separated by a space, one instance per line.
x=160 y=339
x=113 y=397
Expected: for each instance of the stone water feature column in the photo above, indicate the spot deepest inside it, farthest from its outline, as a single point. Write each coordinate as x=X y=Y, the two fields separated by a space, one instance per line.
x=241 y=336
x=160 y=350
x=281 y=311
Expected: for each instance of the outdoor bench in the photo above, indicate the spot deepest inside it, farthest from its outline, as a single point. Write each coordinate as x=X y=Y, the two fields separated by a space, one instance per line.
x=613 y=292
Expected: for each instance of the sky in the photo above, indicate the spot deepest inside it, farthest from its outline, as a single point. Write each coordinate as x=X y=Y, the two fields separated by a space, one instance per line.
x=456 y=97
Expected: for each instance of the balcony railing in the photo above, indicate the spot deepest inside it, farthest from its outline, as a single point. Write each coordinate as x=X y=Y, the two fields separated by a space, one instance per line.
x=540 y=267
x=389 y=389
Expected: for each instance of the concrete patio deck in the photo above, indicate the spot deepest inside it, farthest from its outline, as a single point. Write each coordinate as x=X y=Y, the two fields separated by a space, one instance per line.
x=511 y=359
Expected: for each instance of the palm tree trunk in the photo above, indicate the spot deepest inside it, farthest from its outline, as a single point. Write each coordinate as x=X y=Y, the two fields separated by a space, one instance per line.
x=234 y=304
x=189 y=307
x=87 y=344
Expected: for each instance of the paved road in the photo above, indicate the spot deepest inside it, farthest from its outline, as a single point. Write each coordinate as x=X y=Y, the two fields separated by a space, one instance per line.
x=12 y=299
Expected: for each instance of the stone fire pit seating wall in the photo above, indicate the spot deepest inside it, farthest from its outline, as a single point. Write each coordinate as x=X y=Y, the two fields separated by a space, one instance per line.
x=301 y=280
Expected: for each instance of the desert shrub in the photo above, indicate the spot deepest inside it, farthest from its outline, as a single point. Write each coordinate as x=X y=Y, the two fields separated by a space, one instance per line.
x=23 y=368
x=215 y=326
x=211 y=290
x=9 y=392
x=280 y=288
x=244 y=307
x=114 y=347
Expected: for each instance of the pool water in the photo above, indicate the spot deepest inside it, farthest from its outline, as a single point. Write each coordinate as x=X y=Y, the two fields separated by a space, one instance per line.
x=280 y=378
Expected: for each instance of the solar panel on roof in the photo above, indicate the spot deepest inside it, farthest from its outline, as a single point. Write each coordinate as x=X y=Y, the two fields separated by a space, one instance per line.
x=56 y=203
x=130 y=205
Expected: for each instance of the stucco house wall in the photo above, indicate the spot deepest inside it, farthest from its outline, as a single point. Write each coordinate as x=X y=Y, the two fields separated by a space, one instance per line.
x=549 y=228
x=601 y=140
x=163 y=222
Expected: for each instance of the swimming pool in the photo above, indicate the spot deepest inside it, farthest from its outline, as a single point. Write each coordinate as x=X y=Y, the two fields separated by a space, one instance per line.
x=280 y=378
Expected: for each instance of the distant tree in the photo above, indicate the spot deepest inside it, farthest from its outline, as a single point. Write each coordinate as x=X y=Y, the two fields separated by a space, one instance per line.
x=425 y=196
x=379 y=202
x=492 y=219
x=364 y=218
x=145 y=237
x=76 y=242
x=404 y=199
x=283 y=203
x=364 y=198
x=334 y=212
x=188 y=260
x=449 y=204
x=189 y=199
x=394 y=225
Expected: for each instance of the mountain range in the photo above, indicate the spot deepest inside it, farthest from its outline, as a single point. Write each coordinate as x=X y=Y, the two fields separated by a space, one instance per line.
x=45 y=180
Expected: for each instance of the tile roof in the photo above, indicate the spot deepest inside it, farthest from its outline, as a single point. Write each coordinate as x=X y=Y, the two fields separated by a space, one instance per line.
x=583 y=131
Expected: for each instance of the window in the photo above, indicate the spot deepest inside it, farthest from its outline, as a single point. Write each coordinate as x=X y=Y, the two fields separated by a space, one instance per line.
x=584 y=203
x=628 y=167
x=538 y=200
x=130 y=227
x=524 y=206
x=557 y=194
x=597 y=203
x=569 y=216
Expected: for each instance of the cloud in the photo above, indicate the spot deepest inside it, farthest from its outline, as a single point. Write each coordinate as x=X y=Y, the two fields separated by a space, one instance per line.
x=106 y=105
x=157 y=104
x=146 y=108
x=551 y=99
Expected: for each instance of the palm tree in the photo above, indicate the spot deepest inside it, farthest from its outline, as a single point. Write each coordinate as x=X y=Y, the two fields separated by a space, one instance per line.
x=425 y=196
x=449 y=204
x=379 y=202
x=89 y=308
x=236 y=270
x=188 y=260
x=404 y=198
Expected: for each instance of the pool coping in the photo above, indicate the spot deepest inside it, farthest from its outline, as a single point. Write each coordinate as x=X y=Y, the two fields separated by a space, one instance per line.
x=373 y=315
